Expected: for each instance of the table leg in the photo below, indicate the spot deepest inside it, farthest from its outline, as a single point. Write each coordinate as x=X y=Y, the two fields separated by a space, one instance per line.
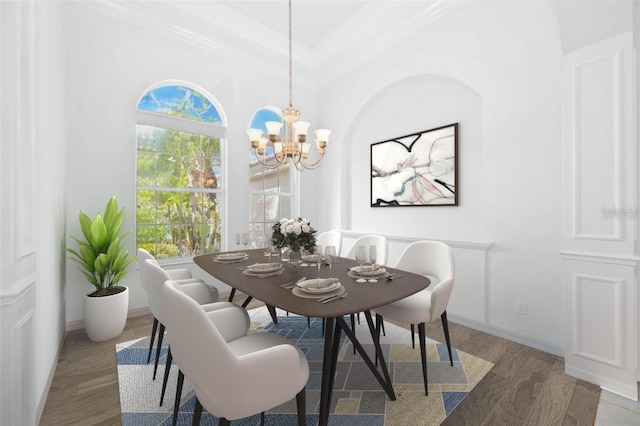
x=388 y=388
x=376 y=341
x=272 y=311
x=328 y=368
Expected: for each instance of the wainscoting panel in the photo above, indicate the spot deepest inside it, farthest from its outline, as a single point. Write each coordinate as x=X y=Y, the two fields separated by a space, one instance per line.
x=601 y=333
x=17 y=387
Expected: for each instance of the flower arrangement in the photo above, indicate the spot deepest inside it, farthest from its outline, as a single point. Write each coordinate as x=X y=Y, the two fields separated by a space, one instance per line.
x=294 y=234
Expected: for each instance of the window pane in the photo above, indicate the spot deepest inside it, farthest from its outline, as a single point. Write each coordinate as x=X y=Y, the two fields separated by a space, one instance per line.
x=187 y=223
x=145 y=208
x=180 y=101
x=146 y=164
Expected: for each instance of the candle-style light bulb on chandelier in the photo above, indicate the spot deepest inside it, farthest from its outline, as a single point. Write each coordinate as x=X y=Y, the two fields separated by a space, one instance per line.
x=293 y=144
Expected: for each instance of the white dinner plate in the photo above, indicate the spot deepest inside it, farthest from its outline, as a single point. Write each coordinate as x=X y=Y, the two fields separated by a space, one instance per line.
x=231 y=256
x=264 y=268
x=310 y=286
x=367 y=271
x=300 y=293
x=262 y=274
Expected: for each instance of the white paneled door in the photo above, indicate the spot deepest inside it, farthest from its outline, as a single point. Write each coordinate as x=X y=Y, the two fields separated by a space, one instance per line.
x=600 y=216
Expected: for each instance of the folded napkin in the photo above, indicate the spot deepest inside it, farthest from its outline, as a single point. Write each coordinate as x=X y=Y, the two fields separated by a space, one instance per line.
x=366 y=268
x=326 y=282
x=262 y=266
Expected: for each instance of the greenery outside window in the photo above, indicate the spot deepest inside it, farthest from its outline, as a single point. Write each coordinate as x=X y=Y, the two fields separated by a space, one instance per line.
x=180 y=173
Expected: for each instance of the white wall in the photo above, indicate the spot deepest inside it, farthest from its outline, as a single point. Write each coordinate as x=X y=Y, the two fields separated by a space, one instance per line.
x=496 y=69
x=50 y=203
x=110 y=64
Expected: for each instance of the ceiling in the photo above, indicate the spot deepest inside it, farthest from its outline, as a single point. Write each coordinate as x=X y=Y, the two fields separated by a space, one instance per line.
x=330 y=37
x=324 y=32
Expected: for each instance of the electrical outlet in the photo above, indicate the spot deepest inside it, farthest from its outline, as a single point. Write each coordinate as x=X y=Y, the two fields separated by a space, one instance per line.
x=521 y=307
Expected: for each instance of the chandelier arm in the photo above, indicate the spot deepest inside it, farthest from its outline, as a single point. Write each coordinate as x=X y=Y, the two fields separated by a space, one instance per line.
x=268 y=165
x=301 y=164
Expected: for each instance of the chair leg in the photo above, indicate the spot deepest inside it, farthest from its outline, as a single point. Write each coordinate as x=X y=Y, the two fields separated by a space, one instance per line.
x=302 y=407
x=176 y=405
x=262 y=419
x=165 y=379
x=423 y=355
x=247 y=301
x=160 y=337
x=224 y=422
x=154 y=328
x=445 y=325
x=308 y=322
x=197 y=413
x=353 y=328
x=232 y=294
x=413 y=336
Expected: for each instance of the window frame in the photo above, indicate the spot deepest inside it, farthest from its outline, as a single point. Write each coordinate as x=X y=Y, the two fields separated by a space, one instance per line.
x=180 y=124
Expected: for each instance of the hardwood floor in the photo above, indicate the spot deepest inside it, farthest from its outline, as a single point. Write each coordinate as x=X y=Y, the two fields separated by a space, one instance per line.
x=526 y=386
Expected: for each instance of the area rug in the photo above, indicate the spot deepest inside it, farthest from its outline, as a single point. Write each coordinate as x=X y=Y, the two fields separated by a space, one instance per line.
x=357 y=396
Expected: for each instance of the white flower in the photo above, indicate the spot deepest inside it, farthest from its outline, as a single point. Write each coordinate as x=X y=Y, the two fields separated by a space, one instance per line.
x=289 y=229
x=297 y=229
x=305 y=221
x=283 y=220
x=306 y=228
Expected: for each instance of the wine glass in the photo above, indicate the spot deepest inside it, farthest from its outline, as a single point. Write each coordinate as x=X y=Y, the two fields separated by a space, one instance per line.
x=318 y=258
x=245 y=240
x=330 y=256
x=237 y=241
x=361 y=258
x=269 y=247
x=373 y=254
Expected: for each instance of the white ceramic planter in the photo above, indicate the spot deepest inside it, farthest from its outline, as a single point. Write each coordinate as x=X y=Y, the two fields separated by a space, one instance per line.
x=105 y=317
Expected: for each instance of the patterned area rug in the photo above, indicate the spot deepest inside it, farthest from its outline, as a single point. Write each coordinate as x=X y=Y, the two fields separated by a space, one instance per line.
x=357 y=396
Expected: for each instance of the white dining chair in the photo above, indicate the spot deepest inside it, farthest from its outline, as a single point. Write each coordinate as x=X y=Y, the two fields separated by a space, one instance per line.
x=330 y=238
x=153 y=278
x=434 y=260
x=182 y=276
x=234 y=374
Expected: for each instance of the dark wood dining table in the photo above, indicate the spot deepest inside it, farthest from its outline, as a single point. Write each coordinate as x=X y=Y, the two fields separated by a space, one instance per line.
x=361 y=297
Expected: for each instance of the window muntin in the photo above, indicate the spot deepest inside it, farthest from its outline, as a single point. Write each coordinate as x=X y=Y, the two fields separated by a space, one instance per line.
x=179 y=193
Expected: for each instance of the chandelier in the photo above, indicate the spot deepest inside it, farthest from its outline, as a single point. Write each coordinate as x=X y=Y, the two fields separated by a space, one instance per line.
x=292 y=145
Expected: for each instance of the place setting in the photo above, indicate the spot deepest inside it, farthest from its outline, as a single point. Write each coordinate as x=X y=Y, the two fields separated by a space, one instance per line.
x=230 y=257
x=263 y=269
x=322 y=289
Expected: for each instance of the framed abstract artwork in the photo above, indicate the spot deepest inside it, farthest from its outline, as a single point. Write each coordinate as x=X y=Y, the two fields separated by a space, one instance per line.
x=420 y=169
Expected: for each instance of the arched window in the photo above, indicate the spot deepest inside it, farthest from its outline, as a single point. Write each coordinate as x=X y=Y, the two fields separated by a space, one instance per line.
x=271 y=190
x=180 y=137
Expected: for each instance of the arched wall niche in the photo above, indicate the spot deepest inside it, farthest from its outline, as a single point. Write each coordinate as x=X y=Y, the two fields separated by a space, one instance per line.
x=413 y=104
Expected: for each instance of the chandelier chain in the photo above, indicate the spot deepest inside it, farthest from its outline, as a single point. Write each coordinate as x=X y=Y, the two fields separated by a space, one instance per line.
x=290 y=59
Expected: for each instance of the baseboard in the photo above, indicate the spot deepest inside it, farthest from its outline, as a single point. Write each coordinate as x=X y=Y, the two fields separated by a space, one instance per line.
x=507 y=334
x=606 y=383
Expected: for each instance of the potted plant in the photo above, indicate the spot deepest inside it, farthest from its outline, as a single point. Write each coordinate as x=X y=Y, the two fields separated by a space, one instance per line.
x=103 y=261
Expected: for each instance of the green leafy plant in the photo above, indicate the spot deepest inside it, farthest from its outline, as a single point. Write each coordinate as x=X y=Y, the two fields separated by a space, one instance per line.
x=101 y=254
